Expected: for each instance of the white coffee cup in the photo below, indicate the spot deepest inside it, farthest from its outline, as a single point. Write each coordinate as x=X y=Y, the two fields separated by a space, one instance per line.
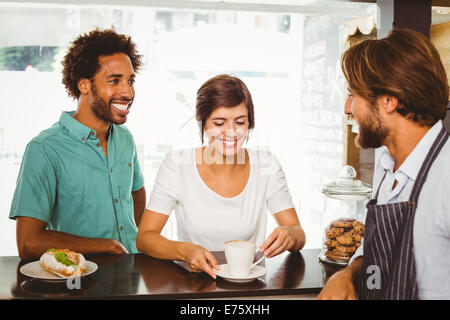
x=240 y=255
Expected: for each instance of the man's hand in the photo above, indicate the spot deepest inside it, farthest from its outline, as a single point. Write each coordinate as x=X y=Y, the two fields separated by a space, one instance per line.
x=33 y=240
x=340 y=285
x=117 y=248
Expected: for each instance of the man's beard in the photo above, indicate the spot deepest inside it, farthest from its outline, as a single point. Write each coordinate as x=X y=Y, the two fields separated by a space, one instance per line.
x=372 y=132
x=101 y=108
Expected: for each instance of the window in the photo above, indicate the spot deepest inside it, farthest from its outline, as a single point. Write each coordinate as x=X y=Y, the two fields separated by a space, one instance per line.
x=288 y=61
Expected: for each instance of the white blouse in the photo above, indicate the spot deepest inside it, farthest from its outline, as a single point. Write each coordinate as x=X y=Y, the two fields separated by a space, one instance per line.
x=208 y=219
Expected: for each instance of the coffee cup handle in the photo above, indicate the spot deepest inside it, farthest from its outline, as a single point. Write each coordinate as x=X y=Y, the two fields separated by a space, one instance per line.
x=253 y=265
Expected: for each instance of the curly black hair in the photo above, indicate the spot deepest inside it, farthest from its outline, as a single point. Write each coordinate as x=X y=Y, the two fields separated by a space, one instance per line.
x=81 y=59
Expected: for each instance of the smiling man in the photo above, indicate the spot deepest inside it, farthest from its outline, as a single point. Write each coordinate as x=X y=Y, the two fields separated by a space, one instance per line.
x=398 y=95
x=80 y=185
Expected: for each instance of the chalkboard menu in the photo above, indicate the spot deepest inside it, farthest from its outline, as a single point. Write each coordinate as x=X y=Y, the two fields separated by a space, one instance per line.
x=322 y=110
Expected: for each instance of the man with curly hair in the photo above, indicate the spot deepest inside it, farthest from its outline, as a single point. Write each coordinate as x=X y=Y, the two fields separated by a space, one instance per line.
x=80 y=185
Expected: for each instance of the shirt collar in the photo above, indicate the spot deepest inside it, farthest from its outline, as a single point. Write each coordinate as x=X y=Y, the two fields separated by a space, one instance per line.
x=412 y=164
x=77 y=129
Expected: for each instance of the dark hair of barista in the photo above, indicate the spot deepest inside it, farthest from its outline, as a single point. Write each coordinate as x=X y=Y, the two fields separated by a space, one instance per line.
x=222 y=91
x=81 y=59
x=405 y=65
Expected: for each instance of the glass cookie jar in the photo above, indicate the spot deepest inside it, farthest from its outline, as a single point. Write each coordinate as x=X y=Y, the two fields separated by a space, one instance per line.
x=343 y=217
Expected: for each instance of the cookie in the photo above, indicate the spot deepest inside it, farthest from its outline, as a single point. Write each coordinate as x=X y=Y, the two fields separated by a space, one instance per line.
x=358 y=227
x=333 y=232
x=346 y=239
x=357 y=237
x=331 y=243
x=338 y=252
x=343 y=223
x=345 y=249
x=343 y=237
x=333 y=255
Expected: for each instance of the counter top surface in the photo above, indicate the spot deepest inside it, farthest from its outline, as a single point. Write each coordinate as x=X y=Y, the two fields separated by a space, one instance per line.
x=136 y=276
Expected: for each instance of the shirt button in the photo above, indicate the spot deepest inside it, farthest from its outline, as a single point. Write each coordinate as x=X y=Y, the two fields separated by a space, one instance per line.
x=98 y=144
x=129 y=164
x=115 y=200
x=82 y=139
x=110 y=170
x=121 y=228
x=92 y=133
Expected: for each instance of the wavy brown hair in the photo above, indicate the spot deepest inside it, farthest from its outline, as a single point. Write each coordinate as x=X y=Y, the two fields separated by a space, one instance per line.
x=405 y=65
x=222 y=91
x=82 y=58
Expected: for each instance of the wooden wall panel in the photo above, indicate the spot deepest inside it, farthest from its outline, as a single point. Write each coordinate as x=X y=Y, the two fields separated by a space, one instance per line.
x=440 y=37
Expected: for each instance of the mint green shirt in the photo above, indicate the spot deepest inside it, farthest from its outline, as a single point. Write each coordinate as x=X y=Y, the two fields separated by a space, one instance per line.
x=66 y=180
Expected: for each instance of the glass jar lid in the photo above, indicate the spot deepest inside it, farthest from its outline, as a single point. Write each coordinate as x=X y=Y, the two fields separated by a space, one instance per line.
x=347 y=186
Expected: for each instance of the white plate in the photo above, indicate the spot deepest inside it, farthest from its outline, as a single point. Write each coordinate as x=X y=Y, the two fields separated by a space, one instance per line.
x=34 y=270
x=256 y=272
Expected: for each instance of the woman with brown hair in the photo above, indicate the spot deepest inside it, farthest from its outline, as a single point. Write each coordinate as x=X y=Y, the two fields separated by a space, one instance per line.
x=220 y=191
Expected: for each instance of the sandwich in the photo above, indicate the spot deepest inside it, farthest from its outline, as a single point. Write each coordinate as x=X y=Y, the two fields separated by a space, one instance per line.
x=63 y=262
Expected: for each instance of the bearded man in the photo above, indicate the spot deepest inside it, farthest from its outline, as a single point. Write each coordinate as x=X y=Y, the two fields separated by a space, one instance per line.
x=80 y=185
x=398 y=95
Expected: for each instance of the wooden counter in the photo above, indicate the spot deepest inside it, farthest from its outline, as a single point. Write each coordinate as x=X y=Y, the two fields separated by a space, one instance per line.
x=136 y=276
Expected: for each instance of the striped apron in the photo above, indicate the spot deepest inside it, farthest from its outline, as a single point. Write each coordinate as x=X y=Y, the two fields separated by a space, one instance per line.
x=388 y=267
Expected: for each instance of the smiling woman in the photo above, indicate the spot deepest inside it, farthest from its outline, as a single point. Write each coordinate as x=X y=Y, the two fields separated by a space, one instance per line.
x=223 y=91
x=221 y=191
x=227 y=129
x=225 y=111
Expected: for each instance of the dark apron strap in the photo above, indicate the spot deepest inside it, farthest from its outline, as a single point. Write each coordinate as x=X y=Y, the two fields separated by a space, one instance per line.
x=426 y=165
x=379 y=186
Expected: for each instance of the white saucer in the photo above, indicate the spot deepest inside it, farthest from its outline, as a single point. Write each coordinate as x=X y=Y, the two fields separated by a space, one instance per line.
x=34 y=270
x=256 y=272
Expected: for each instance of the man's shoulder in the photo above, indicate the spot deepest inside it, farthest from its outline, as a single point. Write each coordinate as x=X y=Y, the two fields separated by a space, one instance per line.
x=445 y=151
x=45 y=136
x=442 y=161
x=123 y=132
x=442 y=164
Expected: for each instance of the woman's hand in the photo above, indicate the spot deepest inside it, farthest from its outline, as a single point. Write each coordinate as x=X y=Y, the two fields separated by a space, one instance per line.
x=199 y=259
x=288 y=236
x=280 y=240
